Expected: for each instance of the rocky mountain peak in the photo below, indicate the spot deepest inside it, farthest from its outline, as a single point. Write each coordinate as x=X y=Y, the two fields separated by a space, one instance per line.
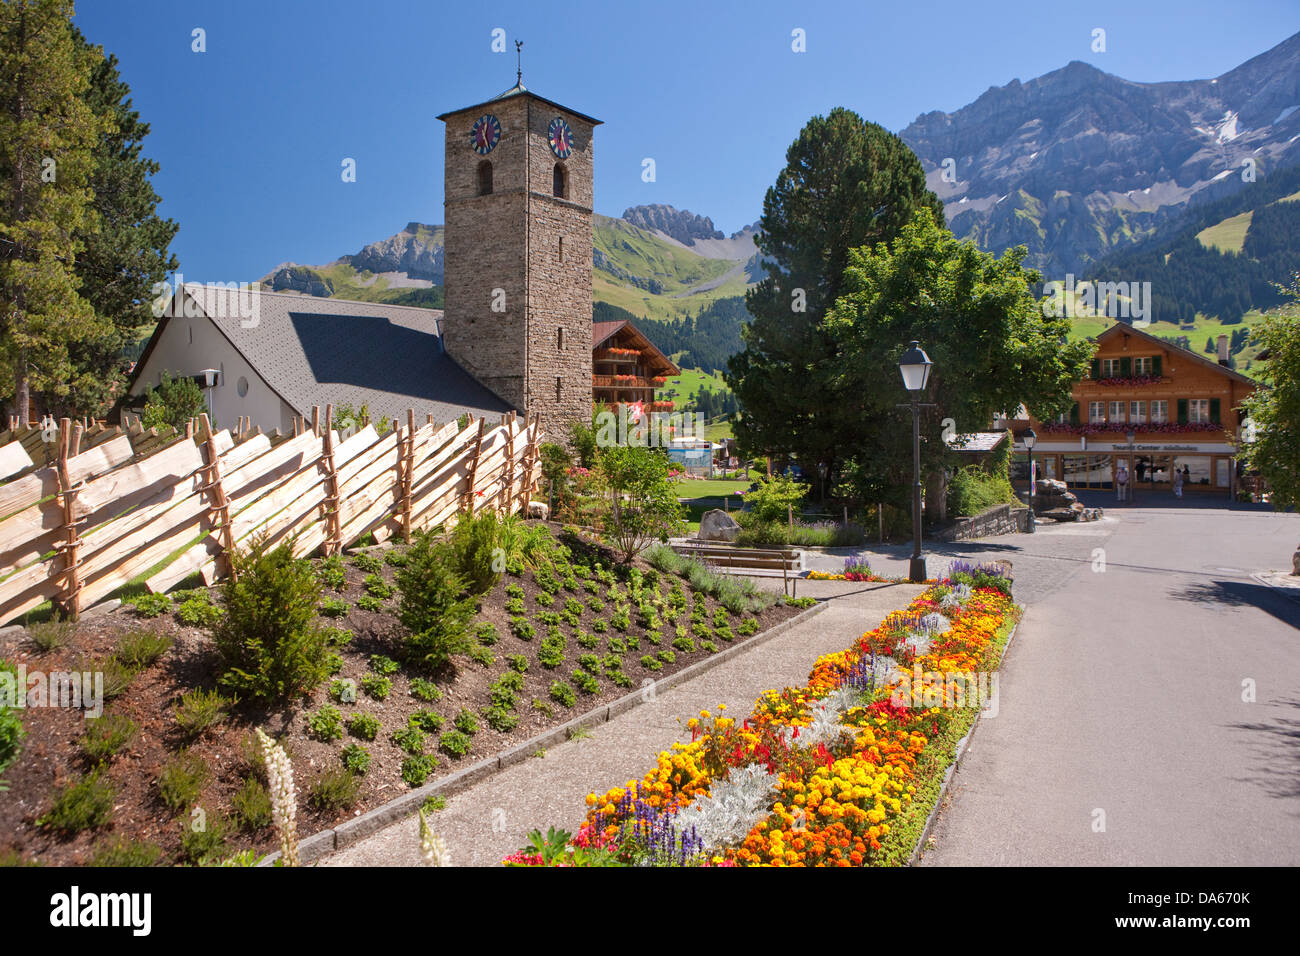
x=681 y=224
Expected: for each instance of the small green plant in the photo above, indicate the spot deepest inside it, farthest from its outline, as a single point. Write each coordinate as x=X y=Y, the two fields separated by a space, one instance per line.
x=709 y=646
x=666 y=656
x=433 y=803
x=562 y=693
x=397 y=559
x=198 y=710
x=122 y=851
x=654 y=637
x=425 y=690
x=337 y=636
x=481 y=655
x=620 y=679
x=334 y=607
x=522 y=628
x=326 y=724
x=586 y=682
x=514 y=591
x=368 y=602
x=551 y=653
x=81 y=805
x=207 y=844
x=198 y=611
x=724 y=631
x=416 y=770
x=545 y=599
x=548 y=618
x=106 y=736
x=335 y=790
x=455 y=743
x=52 y=634
x=599 y=626
x=410 y=739
x=333 y=663
x=578 y=733
x=747 y=627
x=650 y=664
x=511 y=680
x=466 y=722
x=366 y=562
x=590 y=663
x=356 y=759
x=343 y=691
x=426 y=720
x=486 y=634
x=378 y=587
x=251 y=805
x=182 y=780
x=684 y=644
x=364 y=726
x=517 y=663
x=500 y=718
x=588 y=641
x=332 y=574
x=596 y=604
x=384 y=666
x=149 y=604
x=543 y=708
x=141 y=649
x=375 y=686
x=515 y=606
x=803 y=602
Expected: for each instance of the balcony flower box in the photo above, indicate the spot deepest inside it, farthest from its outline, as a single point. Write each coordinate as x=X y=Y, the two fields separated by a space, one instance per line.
x=1120 y=428
x=1132 y=381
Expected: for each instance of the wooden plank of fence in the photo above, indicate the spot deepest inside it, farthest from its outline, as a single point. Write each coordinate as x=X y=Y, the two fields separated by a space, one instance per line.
x=408 y=474
x=473 y=469
x=31 y=488
x=332 y=543
x=13 y=459
x=69 y=599
x=219 y=504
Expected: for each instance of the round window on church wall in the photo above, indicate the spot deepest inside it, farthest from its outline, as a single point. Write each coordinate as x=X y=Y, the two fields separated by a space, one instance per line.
x=242 y=386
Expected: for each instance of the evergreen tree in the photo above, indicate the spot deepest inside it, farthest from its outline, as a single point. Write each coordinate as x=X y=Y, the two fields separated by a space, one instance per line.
x=847 y=183
x=47 y=138
x=126 y=252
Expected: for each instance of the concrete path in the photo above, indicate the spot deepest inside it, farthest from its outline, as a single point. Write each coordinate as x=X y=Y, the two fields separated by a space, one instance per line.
x=488 y=821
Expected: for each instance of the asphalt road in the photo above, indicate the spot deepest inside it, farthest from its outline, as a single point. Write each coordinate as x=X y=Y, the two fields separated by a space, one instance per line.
x=1149 y=708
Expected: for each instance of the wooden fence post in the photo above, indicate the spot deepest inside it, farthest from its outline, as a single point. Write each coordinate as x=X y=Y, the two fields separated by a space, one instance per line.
x=70 y=593
x=507 y=495
x=332 y=543
x=530 y=461
x=468 y=504
x=408 y=473
x=218 y=503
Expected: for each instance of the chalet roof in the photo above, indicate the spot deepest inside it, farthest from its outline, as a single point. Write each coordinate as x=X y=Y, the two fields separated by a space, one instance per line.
x=623 y=330
x=318 y=351
x=975 y=442
x=1121 y=328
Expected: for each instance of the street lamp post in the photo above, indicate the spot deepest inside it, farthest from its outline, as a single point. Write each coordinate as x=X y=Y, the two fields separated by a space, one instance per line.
x=1031 y=438
x=1132 y=481
x=915 y=367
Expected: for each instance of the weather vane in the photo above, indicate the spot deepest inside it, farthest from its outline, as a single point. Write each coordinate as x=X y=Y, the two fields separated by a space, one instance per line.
x=519 y=67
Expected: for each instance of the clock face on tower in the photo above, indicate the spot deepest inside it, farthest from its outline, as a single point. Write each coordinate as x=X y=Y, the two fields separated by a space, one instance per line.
x=485 y=134
x=560 y=137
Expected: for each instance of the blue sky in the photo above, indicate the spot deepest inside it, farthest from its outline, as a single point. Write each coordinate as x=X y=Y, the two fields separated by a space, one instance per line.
x=251 y=133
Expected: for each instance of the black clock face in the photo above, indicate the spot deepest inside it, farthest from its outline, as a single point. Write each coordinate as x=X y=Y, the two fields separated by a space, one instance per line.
x=486 y=134
x=560 y=137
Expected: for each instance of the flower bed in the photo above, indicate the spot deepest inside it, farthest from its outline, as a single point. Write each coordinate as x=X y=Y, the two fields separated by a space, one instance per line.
x=1119 y=428
x=842 y=771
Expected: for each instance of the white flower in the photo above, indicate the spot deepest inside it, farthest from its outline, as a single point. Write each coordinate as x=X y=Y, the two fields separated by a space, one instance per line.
x=432 y=848
x=284 y=802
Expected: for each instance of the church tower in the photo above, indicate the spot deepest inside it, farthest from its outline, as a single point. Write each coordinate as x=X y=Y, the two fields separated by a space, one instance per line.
x=518 y=254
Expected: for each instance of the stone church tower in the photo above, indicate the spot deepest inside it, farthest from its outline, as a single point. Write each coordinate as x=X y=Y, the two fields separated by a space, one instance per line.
x=518 y=254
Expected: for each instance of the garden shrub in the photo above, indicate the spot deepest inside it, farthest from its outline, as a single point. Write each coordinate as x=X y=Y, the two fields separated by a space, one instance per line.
x=365 y=726
x=149 y=604
x=971 y=490
x=11 y=724
x=562 y=693
x=335 y=790
x=433 y=606
x=122 y=851
x=252 y=805
x=368 y=602
x=181 y=780
x=455 y=743
x=426 y=720
x=206 y=846
x=425 y=690
x=474 y=547
x=375 y=686
x=81 y=805
x=198 y=710
x=140 y=649
x=415 y=770
x=271 y=647
x=52 y=634
x=356 y=759
x=410 y=739
x=106 y=736
x=326 y=724
x=774 y=497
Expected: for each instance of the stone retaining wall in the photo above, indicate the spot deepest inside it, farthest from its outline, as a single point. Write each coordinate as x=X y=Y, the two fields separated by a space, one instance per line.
x=1000 y=519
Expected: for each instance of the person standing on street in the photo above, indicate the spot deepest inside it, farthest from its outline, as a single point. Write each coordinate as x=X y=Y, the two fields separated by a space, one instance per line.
x=1121 y=483
x=1178 y=483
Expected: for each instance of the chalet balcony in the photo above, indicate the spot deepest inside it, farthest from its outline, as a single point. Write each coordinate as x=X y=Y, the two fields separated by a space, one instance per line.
x=623 y=382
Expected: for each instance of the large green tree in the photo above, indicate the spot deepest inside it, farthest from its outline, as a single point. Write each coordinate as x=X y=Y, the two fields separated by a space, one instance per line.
x=126 y=251
x=846 y=183
x=978 y=320
x=47 y=138
x=1274 y=409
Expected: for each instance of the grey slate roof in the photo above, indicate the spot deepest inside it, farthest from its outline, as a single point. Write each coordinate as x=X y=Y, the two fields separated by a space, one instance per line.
x=975 y=442
x=317 y=351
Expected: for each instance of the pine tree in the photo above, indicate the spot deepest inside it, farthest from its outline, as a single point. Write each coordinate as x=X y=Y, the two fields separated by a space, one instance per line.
x=126 y=252
x=47 y=137
x=847 y=183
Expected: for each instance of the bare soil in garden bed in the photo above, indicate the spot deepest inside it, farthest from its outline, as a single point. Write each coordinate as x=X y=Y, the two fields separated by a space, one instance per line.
x=52 y=756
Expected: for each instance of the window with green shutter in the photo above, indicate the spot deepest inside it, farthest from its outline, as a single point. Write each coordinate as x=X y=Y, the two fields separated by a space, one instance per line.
x=1074 y=414
x=1214 y=410
x=1182 y=411
x=1125 y=367
x=1156 y=365
x=1096 y=369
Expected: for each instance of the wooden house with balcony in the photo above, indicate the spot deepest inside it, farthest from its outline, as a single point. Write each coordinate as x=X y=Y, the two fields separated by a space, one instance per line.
x=627 y=368
x=1182 y=409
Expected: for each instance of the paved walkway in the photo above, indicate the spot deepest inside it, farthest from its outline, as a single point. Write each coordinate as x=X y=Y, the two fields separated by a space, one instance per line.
x=488 y=821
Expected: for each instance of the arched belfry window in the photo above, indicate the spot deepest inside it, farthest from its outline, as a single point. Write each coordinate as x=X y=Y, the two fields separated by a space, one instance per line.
x=485 y=178
x=559 y=182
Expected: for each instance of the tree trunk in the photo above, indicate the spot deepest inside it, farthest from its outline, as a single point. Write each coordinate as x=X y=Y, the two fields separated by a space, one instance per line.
x=22 y=391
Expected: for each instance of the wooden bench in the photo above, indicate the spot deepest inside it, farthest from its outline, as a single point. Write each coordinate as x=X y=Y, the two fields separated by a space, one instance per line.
x=762 y=562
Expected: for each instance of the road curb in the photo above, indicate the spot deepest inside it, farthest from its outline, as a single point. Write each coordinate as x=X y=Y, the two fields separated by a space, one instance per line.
x=959 y=752
x=322 y=844
x=1291 y=593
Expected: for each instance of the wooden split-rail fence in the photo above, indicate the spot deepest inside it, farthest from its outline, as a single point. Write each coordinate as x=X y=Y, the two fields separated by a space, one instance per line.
x=86 y=508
